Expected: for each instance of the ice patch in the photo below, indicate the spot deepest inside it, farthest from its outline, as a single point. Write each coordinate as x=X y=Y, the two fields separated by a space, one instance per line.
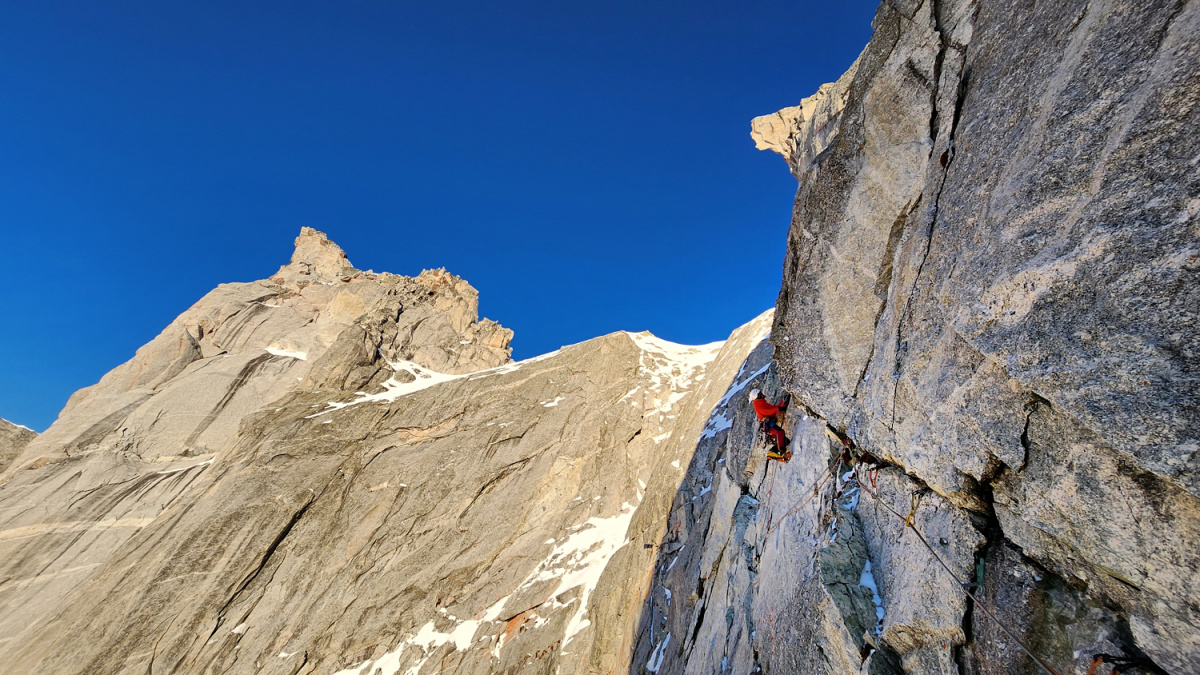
x=239 y=629
x=551 y=404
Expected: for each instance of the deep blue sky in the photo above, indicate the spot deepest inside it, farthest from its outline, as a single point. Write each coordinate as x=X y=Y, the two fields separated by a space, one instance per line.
x=586 y=165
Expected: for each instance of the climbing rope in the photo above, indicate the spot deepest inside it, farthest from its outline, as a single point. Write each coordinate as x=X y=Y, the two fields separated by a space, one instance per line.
x=815 y=492
x=909 y=522
x=770 y=487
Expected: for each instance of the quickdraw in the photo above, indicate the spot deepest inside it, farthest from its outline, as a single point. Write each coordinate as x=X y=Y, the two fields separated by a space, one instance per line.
x=914 y=500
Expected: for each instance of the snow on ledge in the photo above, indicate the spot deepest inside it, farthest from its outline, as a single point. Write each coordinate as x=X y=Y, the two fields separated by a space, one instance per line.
x=690 y=355
x=693 y=359
x=301 y=356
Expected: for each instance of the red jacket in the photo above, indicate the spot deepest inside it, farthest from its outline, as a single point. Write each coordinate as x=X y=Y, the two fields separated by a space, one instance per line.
x=764 y=409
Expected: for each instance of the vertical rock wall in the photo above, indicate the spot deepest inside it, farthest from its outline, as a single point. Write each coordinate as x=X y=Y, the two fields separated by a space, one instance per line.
x=991 y=286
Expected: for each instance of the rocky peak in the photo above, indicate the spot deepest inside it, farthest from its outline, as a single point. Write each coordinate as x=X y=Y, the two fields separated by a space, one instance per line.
x=315 y=260
x=348 y=474
x=319 y=324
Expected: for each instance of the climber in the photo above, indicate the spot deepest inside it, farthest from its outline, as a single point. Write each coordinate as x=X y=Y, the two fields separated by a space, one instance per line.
x=769 y=415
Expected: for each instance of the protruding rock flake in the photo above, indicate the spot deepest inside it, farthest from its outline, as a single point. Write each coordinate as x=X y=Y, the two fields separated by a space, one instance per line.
x=801 y=133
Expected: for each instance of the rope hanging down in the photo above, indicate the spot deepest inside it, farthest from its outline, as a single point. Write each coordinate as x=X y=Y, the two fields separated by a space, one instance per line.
x=815 y=492
x=909 y=522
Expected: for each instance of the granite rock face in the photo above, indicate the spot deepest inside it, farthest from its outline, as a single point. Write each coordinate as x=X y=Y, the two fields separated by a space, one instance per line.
x=802 y=132
x=991 y=285
x=13 y=439
x=341 y=471
x=986 y=324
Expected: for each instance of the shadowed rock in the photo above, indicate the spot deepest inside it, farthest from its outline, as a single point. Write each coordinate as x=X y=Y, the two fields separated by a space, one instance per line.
x=13 y=438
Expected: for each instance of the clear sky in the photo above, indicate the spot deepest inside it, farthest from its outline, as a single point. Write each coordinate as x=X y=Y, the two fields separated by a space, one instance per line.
x=586 y=165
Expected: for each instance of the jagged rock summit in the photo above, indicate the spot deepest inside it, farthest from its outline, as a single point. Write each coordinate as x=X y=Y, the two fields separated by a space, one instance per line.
x=315 y=260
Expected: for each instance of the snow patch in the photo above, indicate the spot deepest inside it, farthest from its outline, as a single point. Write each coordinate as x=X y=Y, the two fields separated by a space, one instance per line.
x=656 y=656
x=427 y=640
x=673 y=369
x=423 y=378
x=716 y=424
x=510 y=367
x=300 y=356
x=867 y=580
x=185 y=468
x=580 y=561
x=740 y=385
